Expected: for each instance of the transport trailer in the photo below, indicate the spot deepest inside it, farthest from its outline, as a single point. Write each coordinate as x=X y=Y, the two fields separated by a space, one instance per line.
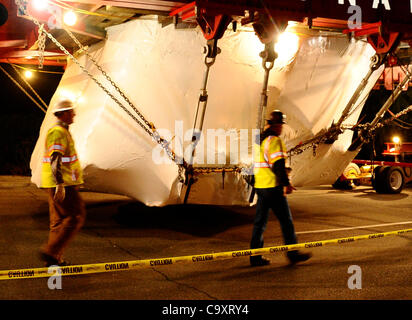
x=384 y=176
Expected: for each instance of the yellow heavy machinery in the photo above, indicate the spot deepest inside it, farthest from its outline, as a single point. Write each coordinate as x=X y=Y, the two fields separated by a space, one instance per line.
x=384 y=176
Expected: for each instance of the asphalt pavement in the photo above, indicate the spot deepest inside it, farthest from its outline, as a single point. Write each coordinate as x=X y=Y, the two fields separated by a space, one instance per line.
x=118 y=228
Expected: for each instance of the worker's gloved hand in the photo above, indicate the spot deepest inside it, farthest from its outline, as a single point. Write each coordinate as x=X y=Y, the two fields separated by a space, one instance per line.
x=288 y=189
x=60 y=193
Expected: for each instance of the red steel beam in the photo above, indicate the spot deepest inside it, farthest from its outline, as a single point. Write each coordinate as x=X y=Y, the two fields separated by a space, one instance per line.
x=384 y=163
x=46 y=62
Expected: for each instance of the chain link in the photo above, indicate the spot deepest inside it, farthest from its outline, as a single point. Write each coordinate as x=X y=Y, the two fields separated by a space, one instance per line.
x=314 y=143
x=152 y=132
x=41 y=42
x=217 y=169
x=147 y=126
x=364 y=130
x=84 y=49
x=366 y=126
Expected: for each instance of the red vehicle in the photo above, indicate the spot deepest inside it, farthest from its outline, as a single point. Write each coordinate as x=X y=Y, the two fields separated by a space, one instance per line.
x=385 y=176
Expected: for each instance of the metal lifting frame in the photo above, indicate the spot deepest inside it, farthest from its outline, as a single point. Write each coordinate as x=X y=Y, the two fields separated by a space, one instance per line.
x=210 y=57
x=395 y=94
x=383 y=43
x=375 y=64
x=266 y=30
x=268 y=60
x=380 y=41
x=335 y=129
x=213 y=26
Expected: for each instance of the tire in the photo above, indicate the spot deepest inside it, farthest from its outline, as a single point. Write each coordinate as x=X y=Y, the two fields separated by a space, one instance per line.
x=393 y=179
x=377 y=179
x=342 y=184
x=407 y=171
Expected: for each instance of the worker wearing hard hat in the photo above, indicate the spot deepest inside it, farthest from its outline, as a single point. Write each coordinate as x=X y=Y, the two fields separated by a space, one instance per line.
x=61 y=176
x=272 y=185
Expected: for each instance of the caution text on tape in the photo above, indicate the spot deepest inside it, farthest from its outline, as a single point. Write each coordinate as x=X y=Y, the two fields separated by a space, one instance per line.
x=138 y=264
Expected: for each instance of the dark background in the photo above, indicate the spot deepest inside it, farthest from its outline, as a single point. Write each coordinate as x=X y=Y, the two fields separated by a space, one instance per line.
x=374 y=103
x=21 y=119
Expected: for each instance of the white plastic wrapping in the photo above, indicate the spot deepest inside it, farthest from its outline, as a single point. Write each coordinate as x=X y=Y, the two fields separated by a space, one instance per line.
x=161 y=71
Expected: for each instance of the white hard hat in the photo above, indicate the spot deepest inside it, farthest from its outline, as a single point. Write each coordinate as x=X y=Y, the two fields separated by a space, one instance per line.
x=63 y=105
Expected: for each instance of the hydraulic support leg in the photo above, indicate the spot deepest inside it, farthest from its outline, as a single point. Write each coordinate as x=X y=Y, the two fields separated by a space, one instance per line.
x=211 y=51
x=213 y=28
x=210 y=57
x=364 y=137
x=335 y=130
x=268 y=59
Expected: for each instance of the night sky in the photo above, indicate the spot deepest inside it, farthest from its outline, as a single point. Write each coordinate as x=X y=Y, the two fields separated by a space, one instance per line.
x=374 y=103
x=21 y=119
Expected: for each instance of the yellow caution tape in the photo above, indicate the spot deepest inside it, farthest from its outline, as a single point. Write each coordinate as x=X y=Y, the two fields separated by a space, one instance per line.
x=137 y=264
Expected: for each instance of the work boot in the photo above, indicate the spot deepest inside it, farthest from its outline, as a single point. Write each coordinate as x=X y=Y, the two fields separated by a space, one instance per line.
x=52 y=261
x=259 y=261
x=296 y=256
x=48 y=259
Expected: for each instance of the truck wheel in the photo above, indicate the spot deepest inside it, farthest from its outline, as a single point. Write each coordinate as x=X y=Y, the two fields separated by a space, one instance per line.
x=407 y=171
x=393 y=179
x=342 y=184
x=377 y=179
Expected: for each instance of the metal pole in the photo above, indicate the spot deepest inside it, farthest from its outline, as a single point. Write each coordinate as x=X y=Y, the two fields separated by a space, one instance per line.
x=268 y=57
x=374 y=65
x=211 y=52
x=263 y=99
x=359 y=141
x=201 y=108
x=391 y=100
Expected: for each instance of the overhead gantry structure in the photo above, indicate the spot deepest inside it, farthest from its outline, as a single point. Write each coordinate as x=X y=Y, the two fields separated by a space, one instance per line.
x=385 y=22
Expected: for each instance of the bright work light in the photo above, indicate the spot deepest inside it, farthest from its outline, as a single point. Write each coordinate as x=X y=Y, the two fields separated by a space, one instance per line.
x=70 y=18
x=28 y=74
x=286 y=47
x=40 y=4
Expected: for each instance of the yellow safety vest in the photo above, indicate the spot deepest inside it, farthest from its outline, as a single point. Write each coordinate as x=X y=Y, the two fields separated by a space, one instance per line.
x=60 y=140
x=266 y=154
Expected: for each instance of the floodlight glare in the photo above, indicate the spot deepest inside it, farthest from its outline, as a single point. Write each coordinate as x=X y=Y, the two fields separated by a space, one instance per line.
x=396 y=139
x=286 y=46
x=70 y=18
x=28 y=74
x=40 y=4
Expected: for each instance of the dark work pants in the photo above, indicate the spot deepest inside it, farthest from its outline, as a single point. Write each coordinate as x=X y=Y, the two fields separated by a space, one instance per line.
x=272 y=198
x=66 y=219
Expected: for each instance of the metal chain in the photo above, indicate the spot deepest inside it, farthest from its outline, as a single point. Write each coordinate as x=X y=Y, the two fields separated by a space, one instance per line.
x=41 y=42
x=385 y=122
x=84 y=49
x=155 y=135
x=146 y=126
x=314 y=143
x=366 y=131
x=97 y=82
x=300 y=148
x=363 y=128
x=403 y=112
x=217 y=169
